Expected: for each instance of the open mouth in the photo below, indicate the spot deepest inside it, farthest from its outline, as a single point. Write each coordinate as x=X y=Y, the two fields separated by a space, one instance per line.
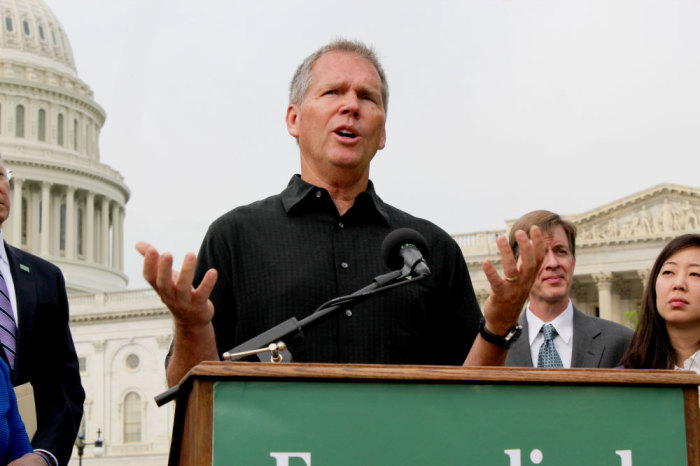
x=345 y=133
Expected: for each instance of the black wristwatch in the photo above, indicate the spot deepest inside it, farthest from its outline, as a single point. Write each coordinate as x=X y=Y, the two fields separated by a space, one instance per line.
x=505 y=341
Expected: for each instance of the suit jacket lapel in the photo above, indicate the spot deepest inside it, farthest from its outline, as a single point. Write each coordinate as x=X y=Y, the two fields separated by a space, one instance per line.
x=587 y=349
x=519 y=354
x=26 y=303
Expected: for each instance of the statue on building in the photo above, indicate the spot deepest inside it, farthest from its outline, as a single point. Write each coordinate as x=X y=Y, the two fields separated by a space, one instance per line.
x=689 y=216
x=611 y=229
x=666 y=221
x=645 y=223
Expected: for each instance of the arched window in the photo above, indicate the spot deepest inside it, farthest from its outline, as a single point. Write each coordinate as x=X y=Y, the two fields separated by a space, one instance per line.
x=25 y=221
x=62 y=236
x=8 y=24
x=75 y=134
x=132 y=418
x=80 y=230
x=19 y=121
x=41 y=32
x=59 y=131
x=26 y=27
x=42 y=125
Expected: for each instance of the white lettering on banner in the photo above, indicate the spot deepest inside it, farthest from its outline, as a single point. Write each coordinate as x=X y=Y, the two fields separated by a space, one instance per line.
x=515 y=455
x=536 y=457
x=283 y=457
x=625 y=457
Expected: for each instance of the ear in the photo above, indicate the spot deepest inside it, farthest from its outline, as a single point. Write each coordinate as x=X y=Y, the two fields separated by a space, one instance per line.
x=382 y=139
x=292 y=120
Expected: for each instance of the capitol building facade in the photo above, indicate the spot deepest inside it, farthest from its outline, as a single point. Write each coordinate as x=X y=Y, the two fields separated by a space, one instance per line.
x=69 y=208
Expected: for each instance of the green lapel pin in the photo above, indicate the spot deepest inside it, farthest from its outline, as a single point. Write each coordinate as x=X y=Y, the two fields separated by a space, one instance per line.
x=24 y=267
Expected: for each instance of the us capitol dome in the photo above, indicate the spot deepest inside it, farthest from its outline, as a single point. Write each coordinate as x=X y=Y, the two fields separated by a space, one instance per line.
x=66 y=206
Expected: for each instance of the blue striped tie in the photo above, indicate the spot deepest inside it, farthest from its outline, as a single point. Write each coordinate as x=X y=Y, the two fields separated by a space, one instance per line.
x=8 y=327
x=548 y=356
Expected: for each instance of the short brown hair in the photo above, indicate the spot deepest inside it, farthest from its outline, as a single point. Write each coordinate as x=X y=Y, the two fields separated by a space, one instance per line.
x=546 y=221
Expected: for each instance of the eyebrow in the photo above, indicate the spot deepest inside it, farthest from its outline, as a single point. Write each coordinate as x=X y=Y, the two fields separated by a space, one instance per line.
x=344 y=84
x=693 y=264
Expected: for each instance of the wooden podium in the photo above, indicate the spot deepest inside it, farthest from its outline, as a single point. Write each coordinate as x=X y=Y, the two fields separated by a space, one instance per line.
x=325 y=414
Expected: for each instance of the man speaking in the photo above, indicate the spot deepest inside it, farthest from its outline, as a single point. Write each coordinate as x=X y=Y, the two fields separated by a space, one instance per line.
x=321 y=237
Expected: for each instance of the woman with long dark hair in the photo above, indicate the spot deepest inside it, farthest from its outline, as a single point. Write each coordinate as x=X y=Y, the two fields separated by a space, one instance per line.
x=668 y=332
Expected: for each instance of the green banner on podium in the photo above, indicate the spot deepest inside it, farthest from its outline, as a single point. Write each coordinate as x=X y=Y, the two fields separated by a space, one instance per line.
x=279 y=423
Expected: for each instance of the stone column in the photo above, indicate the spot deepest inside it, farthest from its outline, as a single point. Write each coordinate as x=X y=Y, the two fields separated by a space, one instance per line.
x=16 y=209
x=121 y=238
x=104 y=243
x=103 y=376
x=644 y=277
x=70 y=222
x=604 y=282
x=90 y=227
x=45 y=245
x=115 y=236
x=622 y=297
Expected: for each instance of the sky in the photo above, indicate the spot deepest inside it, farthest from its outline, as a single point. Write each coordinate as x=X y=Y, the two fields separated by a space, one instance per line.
x=497 y=107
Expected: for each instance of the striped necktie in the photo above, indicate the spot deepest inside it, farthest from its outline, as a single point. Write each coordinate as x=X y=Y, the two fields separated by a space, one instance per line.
x=8 y=327
x=548 y=356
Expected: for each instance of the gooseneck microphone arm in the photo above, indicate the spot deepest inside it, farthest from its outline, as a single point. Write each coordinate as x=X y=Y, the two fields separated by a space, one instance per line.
x=294 y=328
x=402 y=249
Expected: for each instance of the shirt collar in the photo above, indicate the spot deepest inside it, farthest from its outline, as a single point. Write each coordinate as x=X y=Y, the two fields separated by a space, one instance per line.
x=299 y=193
x=691 y=364
x=3 y=252
x=563 y=323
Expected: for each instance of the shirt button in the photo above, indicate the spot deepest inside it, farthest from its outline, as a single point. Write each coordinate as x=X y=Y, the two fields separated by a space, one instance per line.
x=344 y=265
x=341 y=224
x=318 y=194
x=348 y=313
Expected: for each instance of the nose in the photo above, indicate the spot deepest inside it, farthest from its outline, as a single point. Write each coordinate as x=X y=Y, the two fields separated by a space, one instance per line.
x=350 y=104
x=679 y=282
x=550 y=260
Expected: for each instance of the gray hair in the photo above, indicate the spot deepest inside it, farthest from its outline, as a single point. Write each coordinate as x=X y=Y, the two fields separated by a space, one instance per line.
x=302 y=77
x=6 y=171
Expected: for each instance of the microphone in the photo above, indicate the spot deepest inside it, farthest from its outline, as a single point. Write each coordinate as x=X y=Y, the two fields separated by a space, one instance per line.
x=404 y=249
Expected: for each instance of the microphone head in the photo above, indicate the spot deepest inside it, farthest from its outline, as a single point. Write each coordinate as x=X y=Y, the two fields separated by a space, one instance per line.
x=397 y=239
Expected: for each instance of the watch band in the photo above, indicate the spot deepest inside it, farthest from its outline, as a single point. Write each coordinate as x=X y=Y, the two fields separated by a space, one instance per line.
x=502 y=341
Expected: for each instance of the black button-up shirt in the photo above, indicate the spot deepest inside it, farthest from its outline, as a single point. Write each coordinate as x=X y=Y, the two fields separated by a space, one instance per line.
x=283 y=256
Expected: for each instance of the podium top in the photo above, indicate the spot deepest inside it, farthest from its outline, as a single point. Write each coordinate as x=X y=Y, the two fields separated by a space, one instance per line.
x=492 y=375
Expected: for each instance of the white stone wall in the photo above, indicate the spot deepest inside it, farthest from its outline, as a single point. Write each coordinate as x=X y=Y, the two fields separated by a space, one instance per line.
x=107 y=329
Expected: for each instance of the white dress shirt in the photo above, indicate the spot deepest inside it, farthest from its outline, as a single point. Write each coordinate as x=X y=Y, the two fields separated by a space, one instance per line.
x=563 y=342
x=691 y=364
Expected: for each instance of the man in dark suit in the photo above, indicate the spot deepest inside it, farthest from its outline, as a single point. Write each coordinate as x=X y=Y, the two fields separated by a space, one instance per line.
x=555 y=333
x=44 y=354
